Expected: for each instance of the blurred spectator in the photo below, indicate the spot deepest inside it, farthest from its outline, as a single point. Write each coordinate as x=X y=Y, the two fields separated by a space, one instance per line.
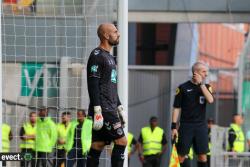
x=248 y=140
x=210 y=123
x=10 y=6
x=62 y=129
x=131 y=142
x=45 y=137
x=236 y=136
x=6 y=138
x=27 y=135
x=152 y=144
x=78 y=140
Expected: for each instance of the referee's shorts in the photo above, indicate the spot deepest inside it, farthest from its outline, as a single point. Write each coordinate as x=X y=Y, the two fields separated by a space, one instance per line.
x=192 y=134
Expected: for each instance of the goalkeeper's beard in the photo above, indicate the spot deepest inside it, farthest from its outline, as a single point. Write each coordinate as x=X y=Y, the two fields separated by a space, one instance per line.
x=113 y=43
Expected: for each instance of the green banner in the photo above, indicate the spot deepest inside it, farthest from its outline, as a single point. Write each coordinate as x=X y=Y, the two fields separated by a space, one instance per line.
x=33 y=77
x=30 y=71
x=246 y=96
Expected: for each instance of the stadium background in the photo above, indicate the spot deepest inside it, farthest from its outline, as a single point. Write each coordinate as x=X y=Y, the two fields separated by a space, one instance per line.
x=44 y=47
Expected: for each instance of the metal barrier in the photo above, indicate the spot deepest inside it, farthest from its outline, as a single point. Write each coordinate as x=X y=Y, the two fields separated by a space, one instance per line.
x=219 y=156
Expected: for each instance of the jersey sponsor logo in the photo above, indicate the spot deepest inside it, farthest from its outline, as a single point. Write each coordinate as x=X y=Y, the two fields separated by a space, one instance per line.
x=117 y=125
x=96 y=52
x=202 y=99
x=189 y=90
x=114 y=76
x=94 y=68
x=177 y=91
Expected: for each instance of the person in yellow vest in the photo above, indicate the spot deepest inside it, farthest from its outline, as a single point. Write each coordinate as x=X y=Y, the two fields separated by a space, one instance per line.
x=6 y=138
x=27 y=136
x=210 y=123
x=46 y=137
x=62 y=129
x=78 y=140
x=131 y=142
x=152 y=144
x=236 y=138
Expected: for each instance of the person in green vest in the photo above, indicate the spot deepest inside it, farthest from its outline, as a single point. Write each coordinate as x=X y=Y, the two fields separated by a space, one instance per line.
x=6 y=138
x=78 y=141
x=131 y=142
x=152 y=144
x=62 y=129
x=210 y=123
x=236 y=138
x=46 y=137
x=27 y=136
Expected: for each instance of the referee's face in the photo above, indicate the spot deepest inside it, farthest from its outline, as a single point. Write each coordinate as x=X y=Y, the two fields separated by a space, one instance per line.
x=203 y=72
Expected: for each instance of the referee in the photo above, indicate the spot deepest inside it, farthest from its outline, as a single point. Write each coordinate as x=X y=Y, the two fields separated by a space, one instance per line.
x=190 y=100
x=105 y=107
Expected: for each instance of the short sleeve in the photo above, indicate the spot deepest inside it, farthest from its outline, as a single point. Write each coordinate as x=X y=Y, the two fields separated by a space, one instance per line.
x=95 y=64
x=178 y=98
x=209 y=87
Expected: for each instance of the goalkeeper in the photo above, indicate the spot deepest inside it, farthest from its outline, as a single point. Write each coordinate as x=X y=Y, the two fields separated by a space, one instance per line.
x=105 y=107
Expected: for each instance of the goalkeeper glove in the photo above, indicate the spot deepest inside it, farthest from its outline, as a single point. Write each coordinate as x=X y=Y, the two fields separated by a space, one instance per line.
x=98 y=118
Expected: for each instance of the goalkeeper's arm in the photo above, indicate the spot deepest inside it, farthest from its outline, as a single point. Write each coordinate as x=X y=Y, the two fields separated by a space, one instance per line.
x=94 y=95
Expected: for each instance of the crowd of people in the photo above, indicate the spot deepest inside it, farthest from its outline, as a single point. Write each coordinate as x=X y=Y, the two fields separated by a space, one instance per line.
x=82 y=141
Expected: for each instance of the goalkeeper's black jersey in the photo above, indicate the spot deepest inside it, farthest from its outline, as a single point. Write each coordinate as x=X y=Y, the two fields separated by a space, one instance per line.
x=102 y=80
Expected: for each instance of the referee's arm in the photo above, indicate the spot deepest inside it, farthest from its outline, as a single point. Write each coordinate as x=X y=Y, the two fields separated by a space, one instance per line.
x=207 y=92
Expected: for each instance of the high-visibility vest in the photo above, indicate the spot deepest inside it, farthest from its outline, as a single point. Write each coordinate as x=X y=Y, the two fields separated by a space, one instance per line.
x=209 y=144
x=62 y=133
x=46 y=135
x=239 y=143
x=191 y=153
x=130 y=139
x=5 y=137
x=151 y=140
x=28 y=130
x=86 y=135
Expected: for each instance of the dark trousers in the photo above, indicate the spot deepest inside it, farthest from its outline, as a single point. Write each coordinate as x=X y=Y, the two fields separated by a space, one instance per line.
x=152 y=161
x=42 y=159
x=208 y=160
x=75 y=156
x=26 y=163
x=60 y=157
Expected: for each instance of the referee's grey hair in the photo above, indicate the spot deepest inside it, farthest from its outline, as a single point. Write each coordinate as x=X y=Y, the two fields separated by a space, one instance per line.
x=197 y=65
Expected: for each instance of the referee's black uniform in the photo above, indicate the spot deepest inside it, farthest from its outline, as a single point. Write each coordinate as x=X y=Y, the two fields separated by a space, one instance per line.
x=193 y=127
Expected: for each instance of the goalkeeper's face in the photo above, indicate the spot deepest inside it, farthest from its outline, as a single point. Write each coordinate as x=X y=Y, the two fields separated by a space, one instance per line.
x=114 y=36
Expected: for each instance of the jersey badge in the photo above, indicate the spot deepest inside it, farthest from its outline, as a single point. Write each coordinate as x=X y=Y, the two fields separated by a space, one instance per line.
x=94 y=68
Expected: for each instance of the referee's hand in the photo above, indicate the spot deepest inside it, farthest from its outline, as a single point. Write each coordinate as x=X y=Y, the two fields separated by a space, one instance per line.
x=174 y=134
x=98 y=118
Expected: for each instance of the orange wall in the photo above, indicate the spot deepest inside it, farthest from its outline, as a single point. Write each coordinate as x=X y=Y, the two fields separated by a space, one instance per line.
x=220 y=47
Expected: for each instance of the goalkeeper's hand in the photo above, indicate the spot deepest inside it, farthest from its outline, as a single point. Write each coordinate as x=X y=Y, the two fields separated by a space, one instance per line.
x=98 y=118
x=121 y=115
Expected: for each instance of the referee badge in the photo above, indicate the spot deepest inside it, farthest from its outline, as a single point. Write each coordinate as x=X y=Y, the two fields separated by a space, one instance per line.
x=210 y=89
x=177 y=91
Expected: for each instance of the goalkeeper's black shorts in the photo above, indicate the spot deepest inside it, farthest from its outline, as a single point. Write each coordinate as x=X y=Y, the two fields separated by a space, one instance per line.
x=111 y=130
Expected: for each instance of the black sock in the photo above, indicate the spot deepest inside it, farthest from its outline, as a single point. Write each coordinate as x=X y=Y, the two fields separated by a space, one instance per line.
x=202 y=164
x=186 y=163
x=117 y=157
x=93 y=158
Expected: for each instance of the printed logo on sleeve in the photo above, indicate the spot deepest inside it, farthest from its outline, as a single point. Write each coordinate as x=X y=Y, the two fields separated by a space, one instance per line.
x=94 y=68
